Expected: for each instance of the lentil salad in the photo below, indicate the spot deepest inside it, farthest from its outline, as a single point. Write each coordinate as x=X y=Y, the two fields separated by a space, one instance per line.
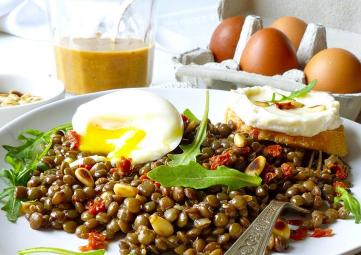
x=224 y=145
x=155 y=219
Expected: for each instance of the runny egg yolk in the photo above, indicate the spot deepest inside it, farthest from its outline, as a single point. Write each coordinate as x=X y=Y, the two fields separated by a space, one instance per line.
x=114 y=142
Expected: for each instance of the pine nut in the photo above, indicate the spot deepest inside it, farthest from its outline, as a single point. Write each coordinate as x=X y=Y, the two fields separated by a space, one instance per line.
x=161 y=226
x=84 y=177
x=256 y=166
x=125 y=190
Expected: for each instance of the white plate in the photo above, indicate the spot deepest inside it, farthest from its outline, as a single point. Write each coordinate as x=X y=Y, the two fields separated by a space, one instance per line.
x=14 y=237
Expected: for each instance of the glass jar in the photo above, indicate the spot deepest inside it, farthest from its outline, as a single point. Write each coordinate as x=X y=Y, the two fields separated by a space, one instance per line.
x=102 y=44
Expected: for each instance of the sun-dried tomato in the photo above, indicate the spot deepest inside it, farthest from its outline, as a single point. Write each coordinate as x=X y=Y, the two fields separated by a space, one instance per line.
x=299 y=234
x=336 y=184
x=341 y=171
x=295 y=222
x=96 y=206
x=287 y=169
x=223 y=159
x=74 y=138
x=125 y=165
x=274 y=151
x=95 y=241
x=319 y=232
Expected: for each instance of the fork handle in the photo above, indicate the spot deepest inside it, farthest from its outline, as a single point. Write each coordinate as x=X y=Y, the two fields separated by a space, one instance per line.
x=256 y=237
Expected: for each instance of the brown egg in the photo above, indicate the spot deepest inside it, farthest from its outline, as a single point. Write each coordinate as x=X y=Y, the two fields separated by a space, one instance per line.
x=225 y=38
x=292 y=27
x=336 y=70
x=268 y=52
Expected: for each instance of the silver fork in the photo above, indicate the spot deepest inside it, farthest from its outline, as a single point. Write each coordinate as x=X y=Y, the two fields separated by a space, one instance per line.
x=255 y=239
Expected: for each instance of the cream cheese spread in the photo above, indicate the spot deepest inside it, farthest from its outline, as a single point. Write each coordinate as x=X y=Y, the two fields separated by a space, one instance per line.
x=319 y=111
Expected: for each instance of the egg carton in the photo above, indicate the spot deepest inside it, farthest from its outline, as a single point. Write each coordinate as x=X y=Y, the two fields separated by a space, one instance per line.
x=198 y=67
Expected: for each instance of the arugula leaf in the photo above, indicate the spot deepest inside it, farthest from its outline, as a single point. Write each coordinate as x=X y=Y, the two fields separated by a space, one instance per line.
x=350 y=203
x=191 y=151
x=294 y=94
x=193 y=175
x=303 y=92
x=23 y=159
x=12 y=206
x=190 y=115
x=59 y=251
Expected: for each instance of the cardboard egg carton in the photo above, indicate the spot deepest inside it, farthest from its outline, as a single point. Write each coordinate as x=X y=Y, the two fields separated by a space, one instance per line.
x=197 y=66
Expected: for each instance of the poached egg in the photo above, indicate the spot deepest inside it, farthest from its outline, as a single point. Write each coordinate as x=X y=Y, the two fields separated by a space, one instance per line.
x=134 y=124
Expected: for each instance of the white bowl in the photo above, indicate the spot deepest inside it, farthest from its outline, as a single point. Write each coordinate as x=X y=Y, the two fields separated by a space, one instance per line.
x=49 y=89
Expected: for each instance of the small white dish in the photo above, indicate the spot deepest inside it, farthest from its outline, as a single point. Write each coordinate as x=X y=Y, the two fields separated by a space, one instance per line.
x=49 y=89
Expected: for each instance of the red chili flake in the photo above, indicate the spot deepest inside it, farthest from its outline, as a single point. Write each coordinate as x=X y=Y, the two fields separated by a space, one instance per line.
x=143 y=177
x=280 y=224
x=96 y=206
x=269 y=177
x=285 y=105
x=299 y=234
x=95 y=241
x=114 y=170
x=125 y=165
x=287 y=169
x=88 y=167
x=254 y=133
x=274 y=151
x=268 y=173
x=184 y=118
x=295 y=222
x=318 y=232
x=157 y=185
x=336 y=184
x=74 y=139
x=223 y=159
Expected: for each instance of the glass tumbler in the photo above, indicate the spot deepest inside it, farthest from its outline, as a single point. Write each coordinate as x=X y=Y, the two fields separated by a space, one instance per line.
x=102 y=44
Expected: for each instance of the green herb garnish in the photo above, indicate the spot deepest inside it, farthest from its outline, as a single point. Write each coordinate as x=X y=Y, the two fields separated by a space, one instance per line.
x=351 y=204
x=193 y=175
x=294 y=94
x=189 y=114
x=191 y=151
x=183 y=169
x=59 y=251
x=24 y=159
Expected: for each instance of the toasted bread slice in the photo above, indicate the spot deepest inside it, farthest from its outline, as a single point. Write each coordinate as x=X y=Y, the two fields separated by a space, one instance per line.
x=330 y=141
